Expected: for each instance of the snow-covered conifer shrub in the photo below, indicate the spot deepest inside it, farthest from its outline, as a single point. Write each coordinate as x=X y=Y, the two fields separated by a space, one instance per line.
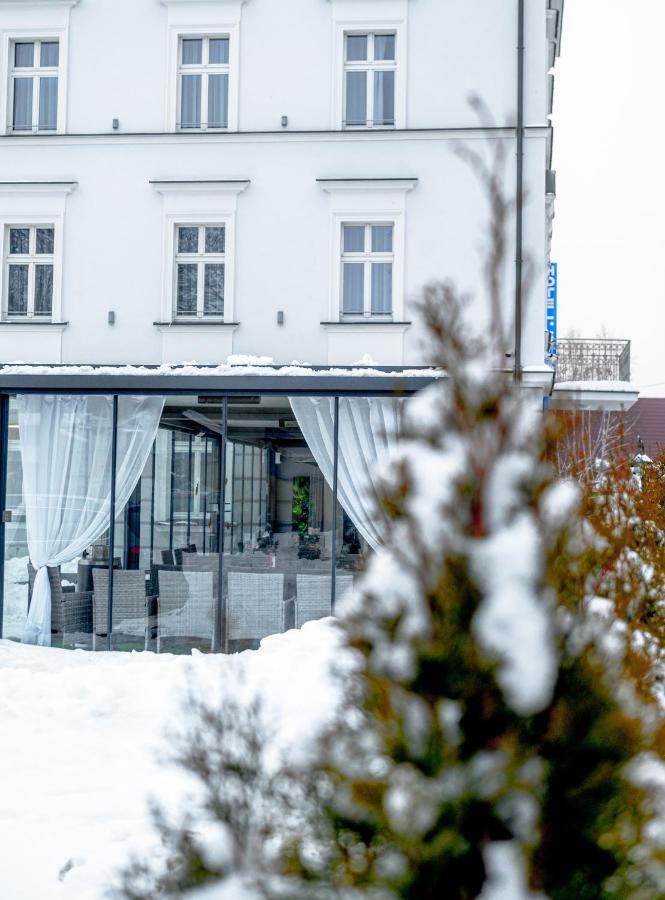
x=491 y=713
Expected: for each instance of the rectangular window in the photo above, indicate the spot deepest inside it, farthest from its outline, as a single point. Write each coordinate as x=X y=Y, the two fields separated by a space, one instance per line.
x=200 y=264
x=369 y=80
x=203 y=74
x=367 y=269
x=29 y=271
x=33 y=85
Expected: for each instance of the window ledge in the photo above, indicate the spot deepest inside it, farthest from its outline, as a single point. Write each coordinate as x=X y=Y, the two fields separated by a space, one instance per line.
x=28 y=3
x=195 y=2
x=173 y=186
x=32 y=323
x=367 y=184
x=184 y=325
x=37 y=187
x=374 y=324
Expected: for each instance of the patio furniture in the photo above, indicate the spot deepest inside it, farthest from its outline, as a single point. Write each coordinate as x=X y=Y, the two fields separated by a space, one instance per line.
x=185 y=606
x=85 y=569
x=255 y=606
x=71 y=611
x=131 y=605
x=314 y=595
x=168 y=557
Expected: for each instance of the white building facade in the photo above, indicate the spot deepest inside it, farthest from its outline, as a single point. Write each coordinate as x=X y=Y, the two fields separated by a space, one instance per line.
x=202 y=181
x=278 y=124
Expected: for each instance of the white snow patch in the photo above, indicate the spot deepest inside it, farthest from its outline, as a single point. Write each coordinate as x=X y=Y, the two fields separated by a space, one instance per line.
x=506 y=874
x=512 y=623
x=82 y=734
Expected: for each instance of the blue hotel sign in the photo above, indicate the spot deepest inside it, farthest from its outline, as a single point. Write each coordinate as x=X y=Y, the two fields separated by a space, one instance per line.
x=552 y=288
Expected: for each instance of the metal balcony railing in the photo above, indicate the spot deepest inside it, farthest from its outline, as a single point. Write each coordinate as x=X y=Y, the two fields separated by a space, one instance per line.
x=596 y=359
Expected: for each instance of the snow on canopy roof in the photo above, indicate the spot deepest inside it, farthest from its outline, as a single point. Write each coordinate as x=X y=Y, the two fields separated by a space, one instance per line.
x=233 y=369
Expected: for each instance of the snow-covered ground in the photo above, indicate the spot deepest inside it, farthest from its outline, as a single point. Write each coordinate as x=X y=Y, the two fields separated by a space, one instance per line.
x=81 y=734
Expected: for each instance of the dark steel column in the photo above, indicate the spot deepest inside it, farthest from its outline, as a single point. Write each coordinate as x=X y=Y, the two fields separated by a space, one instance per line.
x=114 y=455
x=152 y=503
x=4 y=459
x=333 y=586
x=189 y=490
x=172 y=490
x=205 y=491
x=219 y=637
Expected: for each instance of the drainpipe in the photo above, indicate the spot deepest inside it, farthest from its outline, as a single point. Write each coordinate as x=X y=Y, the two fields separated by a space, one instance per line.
x=519 y=228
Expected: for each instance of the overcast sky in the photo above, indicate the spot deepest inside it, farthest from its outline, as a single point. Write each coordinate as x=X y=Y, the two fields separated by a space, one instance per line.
x=609 y=153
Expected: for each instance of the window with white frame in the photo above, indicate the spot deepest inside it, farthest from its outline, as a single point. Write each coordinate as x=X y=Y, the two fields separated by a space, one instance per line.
x=203 y=83
x=367 y=269
x=200 y=262
x=29 y=263
x=33 y=85
x=369 y=80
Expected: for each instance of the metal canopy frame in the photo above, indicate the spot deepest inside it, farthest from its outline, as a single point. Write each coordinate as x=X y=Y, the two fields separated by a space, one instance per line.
x=222 y=385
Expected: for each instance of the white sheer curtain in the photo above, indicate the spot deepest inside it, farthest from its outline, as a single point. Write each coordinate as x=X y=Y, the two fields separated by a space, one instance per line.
x=368 y=430
x=66 y=446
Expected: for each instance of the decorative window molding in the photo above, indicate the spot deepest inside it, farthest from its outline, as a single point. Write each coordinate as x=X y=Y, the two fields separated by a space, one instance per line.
x=31 y=206
x=18 y=27
x=369 y=17
x=205 y=19
x=197 y=204
x=367 y=202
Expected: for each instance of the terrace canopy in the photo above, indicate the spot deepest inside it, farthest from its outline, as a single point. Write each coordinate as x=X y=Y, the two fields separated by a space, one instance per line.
x=175 y=507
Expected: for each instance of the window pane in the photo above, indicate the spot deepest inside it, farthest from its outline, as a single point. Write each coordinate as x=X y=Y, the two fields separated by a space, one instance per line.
x=213 y=290
x=188 y=239
x=24 y=55
x=43 y=290
x=354 y=238
x=186 y=299
x=356 y=98
x=44 y=240
x=192 y=50
x=49 y=53
x=218 y=101
x=190 y=105
x=22 y=103
x=384 y=98
x=219 y=51
x=17 y=299
x=382 y=238
x=215 y=239
x=19 y=240
x=48 y=102
x=384 y=46
x=382 y=288
x=353 y=288
x=356 y=47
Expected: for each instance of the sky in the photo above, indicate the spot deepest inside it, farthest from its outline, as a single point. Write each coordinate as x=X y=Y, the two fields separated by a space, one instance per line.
x=609 y=130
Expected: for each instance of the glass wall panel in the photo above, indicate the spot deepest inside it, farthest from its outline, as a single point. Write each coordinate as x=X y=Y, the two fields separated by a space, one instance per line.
x=278 y=524
x=173 y=513
x=58 y=492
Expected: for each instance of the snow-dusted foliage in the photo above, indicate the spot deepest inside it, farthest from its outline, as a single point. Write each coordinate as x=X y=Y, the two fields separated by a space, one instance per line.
x=489 y=741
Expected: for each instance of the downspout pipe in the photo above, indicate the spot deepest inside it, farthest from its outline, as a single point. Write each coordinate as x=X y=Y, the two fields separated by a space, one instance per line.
x=519 y=213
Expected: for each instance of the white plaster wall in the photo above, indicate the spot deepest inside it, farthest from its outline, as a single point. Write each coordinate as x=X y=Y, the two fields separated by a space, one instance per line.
x=113 y=225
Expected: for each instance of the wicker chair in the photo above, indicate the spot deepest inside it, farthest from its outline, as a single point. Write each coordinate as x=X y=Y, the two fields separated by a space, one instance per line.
x=131 y=605
x=71 y=612
x=185 y=606
x=255 y=606
x=314 y=595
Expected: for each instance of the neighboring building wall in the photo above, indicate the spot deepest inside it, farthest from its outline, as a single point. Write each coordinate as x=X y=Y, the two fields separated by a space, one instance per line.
x=281 y=192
